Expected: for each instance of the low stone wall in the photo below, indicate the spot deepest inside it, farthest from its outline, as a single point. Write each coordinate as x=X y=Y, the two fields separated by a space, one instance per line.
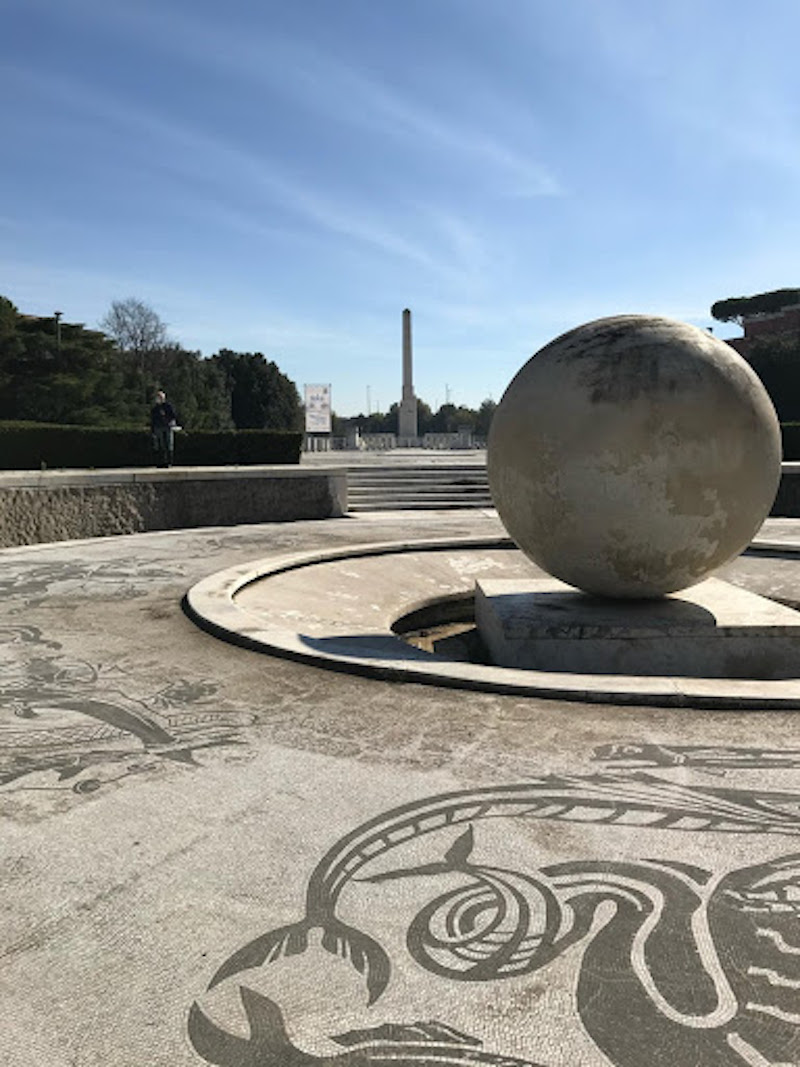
x=787 y=502
x=45 y=506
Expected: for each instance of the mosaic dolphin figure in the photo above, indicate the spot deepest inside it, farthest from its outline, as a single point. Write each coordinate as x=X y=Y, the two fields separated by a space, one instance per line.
x=705 y=965
x=416 y=1045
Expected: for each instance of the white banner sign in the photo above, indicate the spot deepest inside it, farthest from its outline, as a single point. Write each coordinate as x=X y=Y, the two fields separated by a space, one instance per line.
x=318 y=408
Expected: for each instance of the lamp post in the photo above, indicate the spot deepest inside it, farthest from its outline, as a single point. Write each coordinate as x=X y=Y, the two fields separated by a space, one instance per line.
x=57 y=316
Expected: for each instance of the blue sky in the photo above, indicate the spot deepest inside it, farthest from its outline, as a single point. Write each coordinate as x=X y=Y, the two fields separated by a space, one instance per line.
x=286 y=177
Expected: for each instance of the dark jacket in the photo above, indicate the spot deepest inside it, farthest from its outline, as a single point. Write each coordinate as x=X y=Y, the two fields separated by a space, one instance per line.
x=162 y=416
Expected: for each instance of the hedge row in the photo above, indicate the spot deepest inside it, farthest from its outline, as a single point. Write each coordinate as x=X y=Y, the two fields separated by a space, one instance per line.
x=34 y=446
x=791 y=440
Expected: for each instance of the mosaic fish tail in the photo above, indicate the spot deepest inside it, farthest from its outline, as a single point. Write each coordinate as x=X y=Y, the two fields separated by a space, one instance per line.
x=363 y=952
x=339 y=939
x=267 y=1046
x=285 y=941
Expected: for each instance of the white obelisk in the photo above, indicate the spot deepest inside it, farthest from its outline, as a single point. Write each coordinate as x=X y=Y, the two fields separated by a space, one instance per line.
x=407 y=414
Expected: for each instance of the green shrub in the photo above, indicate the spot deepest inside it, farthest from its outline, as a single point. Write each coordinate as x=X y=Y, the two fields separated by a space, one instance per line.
x=33 y=446
x=254 y=446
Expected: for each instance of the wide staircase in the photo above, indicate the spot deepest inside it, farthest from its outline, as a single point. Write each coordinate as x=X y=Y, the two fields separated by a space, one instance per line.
x=392 y=487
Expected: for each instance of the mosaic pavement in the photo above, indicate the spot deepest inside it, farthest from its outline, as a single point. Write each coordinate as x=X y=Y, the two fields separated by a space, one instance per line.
x=212 y=856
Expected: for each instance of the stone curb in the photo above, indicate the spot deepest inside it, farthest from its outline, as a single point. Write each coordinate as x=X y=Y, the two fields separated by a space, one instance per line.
x=211 y=605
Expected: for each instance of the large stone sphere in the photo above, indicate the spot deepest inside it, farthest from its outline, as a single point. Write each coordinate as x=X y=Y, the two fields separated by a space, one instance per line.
x=633 y=456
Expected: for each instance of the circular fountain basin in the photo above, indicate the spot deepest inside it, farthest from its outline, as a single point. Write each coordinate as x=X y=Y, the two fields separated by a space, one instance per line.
x=353 y=609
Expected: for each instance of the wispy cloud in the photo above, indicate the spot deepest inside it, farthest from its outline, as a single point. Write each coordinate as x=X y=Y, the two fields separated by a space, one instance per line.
x=734 y=93
x=338 y=90
x=392 y=114
x=195 y=153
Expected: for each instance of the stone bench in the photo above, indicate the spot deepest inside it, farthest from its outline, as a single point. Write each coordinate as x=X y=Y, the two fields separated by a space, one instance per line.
x=41 y=506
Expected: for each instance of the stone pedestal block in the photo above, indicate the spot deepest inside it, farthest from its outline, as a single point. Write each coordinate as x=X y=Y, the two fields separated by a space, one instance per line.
x=713 y=630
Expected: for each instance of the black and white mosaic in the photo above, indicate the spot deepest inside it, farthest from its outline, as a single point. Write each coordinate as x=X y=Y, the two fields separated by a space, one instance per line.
x=69 y=724
x=679 y=963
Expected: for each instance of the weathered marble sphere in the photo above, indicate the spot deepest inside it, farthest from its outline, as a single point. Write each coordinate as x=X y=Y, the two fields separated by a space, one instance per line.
x=633 y=456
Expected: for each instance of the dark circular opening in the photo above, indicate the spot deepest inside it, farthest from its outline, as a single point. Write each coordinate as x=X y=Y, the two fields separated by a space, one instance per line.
x=444 y=627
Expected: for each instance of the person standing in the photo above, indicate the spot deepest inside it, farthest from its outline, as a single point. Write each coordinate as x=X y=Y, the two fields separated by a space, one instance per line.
x=163 y=421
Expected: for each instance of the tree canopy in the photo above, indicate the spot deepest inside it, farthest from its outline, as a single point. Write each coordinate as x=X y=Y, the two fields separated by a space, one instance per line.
x=737 y=308
x=134 y=326
x=52 y=374
x=66 y=373
x=262 y=397
x=449 y=418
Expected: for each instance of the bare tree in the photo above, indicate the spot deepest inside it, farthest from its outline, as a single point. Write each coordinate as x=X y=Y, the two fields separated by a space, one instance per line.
x=134 y=326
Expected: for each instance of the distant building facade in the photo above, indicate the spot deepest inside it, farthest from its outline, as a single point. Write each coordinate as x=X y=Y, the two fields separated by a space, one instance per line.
x=783 y=324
